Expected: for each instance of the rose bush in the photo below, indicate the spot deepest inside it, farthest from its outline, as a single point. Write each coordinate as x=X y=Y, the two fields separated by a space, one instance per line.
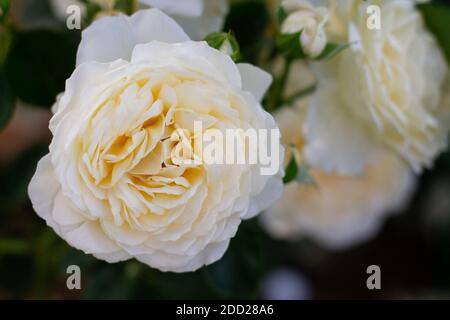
x=110 y=185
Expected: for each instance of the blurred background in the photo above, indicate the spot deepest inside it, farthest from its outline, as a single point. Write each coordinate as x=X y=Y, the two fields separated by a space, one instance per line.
x=37 y=54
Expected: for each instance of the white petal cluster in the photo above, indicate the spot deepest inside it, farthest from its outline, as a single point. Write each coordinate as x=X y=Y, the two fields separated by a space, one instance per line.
x=384 y=92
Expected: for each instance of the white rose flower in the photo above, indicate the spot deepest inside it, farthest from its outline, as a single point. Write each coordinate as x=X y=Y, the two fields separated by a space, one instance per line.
x=338 y=211
x=385 y=91
x=310 y=20
x=109 y=185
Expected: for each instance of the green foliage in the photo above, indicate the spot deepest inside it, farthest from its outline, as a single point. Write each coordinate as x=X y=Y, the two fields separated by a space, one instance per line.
x=39 y=64
x=248 y=21
x=297 y=170
x=289 y=45
x=281 y=16
x=332 y=49
x=437 y=18
x=291 y=171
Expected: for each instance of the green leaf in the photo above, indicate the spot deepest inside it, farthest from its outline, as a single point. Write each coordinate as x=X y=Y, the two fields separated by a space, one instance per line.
x=297 y=170
x=332 y=49
x=289 y=45
x=291 y=171
x=437 y=18
x=281 y=16
x=6 y=100
x=248 y=21
x=39 y=64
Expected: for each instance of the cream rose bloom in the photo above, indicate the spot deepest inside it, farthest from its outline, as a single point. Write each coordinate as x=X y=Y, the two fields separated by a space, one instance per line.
x=310 y=20
x=338 y=211
x=111 y=185
x=384 y=92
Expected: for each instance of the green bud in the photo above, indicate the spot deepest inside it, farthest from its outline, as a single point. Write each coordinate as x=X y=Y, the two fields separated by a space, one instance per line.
x=224 y=42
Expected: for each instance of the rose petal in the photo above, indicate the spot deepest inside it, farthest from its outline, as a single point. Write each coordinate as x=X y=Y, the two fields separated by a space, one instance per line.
x=90 y=238
x=99 y=44
x=42 y=191
x=336 y=141
x=198 y=56
x=254 y=80
x=271 y=193
x=211 y=20
x=64 y=212
x=124 y=234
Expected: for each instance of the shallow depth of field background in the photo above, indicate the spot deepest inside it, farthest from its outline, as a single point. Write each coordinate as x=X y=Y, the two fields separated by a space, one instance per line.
x=412 y=249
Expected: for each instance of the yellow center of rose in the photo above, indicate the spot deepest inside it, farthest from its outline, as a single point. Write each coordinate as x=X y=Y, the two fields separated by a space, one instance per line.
x=130 y=153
